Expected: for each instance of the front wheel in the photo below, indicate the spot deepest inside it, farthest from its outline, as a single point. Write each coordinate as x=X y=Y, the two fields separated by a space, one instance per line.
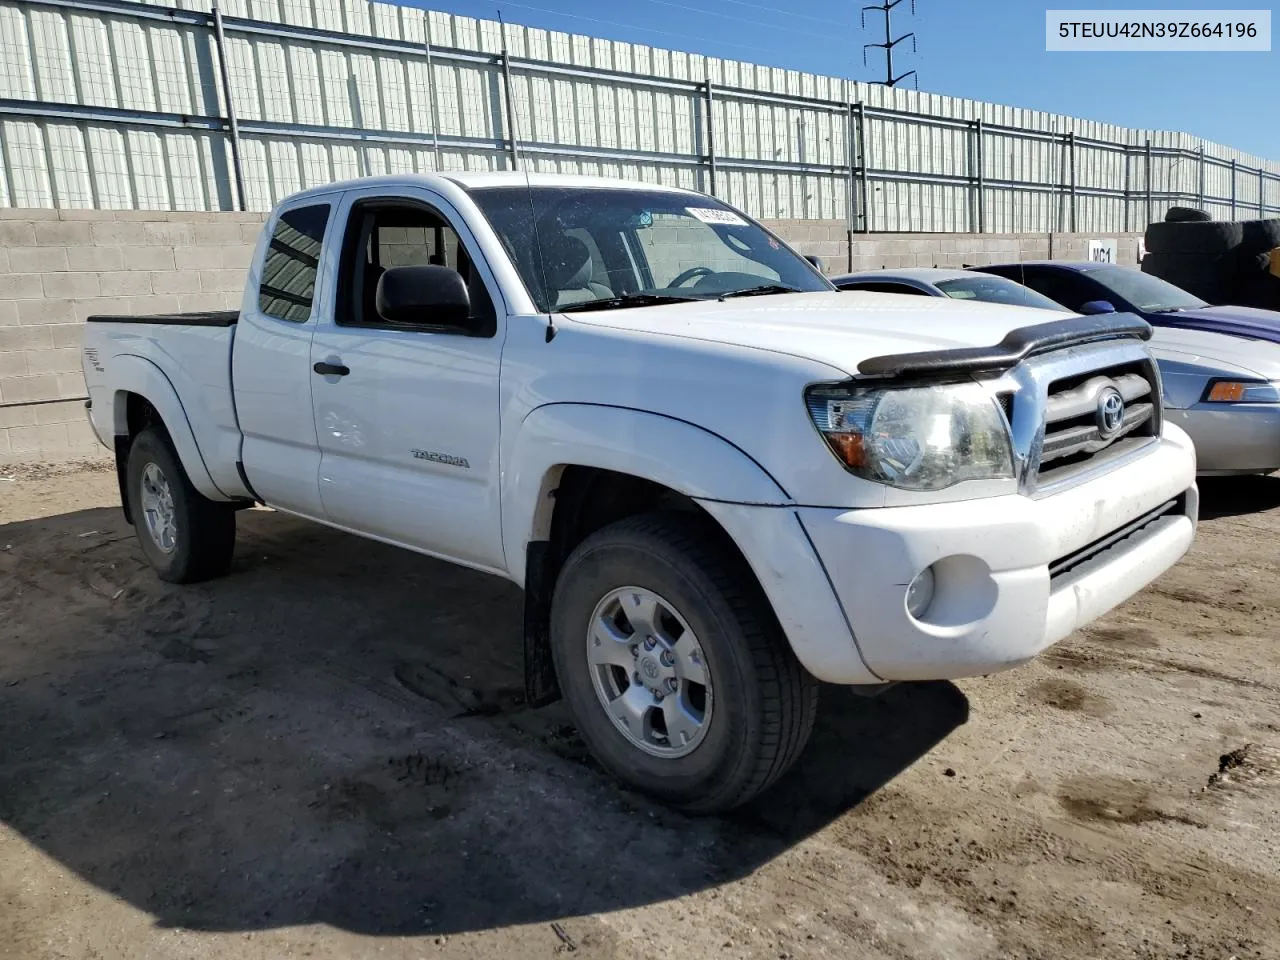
x=680 y=679
x=186 y=536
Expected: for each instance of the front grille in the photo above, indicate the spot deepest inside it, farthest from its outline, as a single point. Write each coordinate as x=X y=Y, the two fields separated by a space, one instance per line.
x=1081 y=427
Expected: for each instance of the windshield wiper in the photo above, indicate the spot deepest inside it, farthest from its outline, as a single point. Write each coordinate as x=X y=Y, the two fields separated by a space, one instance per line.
x=629 y=300
x=760 y=291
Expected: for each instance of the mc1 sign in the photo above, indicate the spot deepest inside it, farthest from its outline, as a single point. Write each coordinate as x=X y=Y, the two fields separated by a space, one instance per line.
x=1102 y=251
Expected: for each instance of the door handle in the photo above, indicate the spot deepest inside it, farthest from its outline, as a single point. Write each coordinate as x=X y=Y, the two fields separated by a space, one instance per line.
x=331 y=369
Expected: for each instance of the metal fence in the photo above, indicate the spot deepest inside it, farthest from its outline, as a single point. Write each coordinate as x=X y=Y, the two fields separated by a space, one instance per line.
x=118 y=104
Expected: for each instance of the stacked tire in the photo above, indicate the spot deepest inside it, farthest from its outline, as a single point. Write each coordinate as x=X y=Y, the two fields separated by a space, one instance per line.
x=1218 y=261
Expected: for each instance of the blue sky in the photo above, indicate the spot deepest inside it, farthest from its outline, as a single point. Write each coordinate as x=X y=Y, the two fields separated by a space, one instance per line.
x=984 y=49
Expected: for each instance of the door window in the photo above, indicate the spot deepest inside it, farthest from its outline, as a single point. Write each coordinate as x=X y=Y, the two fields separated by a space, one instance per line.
x=380 y=236
x=288 y=285
x=1069 y=289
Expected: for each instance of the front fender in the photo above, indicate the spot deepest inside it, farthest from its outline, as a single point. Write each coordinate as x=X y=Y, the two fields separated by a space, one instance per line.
x=674 y=453
x=133 y=374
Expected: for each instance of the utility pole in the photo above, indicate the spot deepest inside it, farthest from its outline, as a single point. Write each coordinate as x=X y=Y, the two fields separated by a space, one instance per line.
x=886 y=7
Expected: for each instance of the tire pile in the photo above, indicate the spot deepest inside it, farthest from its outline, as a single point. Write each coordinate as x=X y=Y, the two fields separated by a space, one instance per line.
x=1222 y=262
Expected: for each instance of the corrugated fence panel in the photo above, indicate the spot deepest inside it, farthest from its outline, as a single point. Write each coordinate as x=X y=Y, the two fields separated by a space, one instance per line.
x=782 y=152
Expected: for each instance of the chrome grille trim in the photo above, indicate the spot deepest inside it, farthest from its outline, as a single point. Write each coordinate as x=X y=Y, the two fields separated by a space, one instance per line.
x=1083 y=399
x=1037 y=444
x=1086 y=438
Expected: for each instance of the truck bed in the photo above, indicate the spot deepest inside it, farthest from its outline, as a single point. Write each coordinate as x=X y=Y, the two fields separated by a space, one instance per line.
x=201 y=318
x=181 y=362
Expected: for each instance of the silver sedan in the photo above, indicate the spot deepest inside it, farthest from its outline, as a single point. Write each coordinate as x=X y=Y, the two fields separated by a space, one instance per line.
x=1224 y=390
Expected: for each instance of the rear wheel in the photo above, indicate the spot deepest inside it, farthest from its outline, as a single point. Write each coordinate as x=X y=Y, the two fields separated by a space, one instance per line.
x=186 y=536
x=680 y=679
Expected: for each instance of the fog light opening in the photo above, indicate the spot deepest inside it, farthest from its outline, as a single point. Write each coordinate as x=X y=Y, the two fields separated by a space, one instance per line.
x=920 y=593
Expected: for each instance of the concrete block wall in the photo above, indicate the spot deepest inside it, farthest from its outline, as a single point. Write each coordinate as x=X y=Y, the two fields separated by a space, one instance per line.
x=830 y=241
x=59 y=266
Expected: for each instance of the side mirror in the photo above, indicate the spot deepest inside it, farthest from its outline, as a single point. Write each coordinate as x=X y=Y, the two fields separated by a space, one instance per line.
x=1094 y=307
x=423 y=295
x=816 y=261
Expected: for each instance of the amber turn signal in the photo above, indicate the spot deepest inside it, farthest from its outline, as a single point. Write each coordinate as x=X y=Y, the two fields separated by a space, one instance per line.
x=1226 y=391
x=849 y=448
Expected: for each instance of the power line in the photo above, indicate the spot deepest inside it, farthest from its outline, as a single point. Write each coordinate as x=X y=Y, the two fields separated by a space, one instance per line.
x=628 y=26
x=755 y=23
x=785 y=13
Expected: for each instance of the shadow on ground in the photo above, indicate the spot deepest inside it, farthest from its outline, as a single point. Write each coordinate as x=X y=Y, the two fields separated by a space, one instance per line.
x=1235 y=496
x=334 y=734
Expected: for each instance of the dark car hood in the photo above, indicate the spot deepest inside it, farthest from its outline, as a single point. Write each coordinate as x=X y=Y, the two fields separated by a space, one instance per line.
x=1236 y=321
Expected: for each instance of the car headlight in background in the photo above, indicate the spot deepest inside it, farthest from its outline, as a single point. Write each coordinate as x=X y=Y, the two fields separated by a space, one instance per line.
x=915 y=438
x=1242 y=391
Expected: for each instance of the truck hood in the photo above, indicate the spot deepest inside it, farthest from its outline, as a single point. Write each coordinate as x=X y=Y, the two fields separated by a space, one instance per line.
x=1238 y=321
x=838 y=329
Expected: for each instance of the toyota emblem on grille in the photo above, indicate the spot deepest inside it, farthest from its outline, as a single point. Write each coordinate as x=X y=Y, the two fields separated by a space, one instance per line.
x=1110 y=412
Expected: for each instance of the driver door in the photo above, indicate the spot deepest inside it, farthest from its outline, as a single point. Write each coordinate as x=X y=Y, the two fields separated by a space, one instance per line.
x=407 y=415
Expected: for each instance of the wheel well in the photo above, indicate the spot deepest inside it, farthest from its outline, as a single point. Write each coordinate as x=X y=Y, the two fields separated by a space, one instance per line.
x=138 y=415
x=584 y=500
x=588 y=499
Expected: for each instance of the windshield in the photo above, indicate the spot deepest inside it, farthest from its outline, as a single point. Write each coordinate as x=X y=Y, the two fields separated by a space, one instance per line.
x=991 y=289
x=603 y=247
x=1147 y=293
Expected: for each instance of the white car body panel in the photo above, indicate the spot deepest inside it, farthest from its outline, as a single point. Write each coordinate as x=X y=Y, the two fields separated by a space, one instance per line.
x=704 y=398
x=1189 y=358
x=156 y=362
x=997 y=552
x=271 y=369
x=409 y=439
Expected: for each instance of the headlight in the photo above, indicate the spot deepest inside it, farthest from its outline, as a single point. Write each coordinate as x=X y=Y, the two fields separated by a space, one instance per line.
x=916 y=438
x=1241 y=391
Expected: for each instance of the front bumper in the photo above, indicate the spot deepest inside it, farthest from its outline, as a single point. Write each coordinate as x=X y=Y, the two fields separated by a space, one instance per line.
x=996 y=603
x=1013 y=575
x=1232 y=438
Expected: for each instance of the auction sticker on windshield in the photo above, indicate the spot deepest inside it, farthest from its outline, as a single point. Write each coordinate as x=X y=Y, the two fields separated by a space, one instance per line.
x=713 y=215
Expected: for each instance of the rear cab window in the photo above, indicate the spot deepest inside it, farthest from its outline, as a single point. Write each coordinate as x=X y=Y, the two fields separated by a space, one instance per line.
x=883 y=286
x=287 y=288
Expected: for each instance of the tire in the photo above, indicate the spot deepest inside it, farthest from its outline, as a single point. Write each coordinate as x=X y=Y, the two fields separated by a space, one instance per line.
x=1260 y=236
x=1261 y=291
x=1252 y=264
x=1208 y=278
x=759 y=703
x=1202 y=238
x=1186 y=215
x=199 y=541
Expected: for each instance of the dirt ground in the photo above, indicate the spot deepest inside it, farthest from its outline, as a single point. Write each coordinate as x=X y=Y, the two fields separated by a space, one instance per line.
x=325 y=755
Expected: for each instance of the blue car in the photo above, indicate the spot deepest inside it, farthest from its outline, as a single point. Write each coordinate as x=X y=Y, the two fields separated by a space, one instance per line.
x=1105 y=287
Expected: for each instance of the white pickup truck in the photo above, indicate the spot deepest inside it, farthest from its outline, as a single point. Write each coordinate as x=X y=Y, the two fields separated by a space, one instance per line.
x=717 y=480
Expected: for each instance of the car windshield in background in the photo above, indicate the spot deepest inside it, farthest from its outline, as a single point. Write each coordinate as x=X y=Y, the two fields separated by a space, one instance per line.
x=991 y=289
x=1147 y=293
x=596 y=248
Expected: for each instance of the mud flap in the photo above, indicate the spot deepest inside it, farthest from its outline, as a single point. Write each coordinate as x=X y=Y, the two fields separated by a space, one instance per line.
x=122 y=445
x=540 y=684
